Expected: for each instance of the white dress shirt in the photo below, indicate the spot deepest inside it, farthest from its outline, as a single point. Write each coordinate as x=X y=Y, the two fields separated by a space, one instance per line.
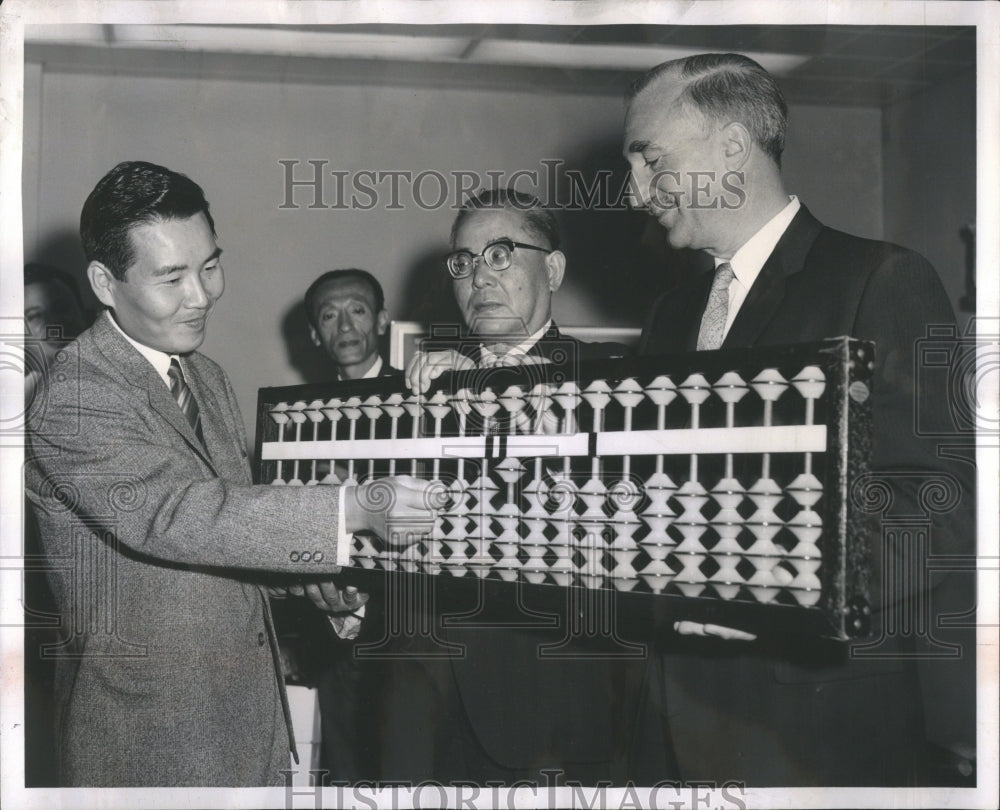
x=159 y=360
x=371 y=374
x=488 y=358
x=749 y=260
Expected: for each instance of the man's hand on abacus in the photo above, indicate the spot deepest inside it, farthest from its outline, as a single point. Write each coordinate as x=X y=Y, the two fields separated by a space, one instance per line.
x=428 y=366
x=398 y=509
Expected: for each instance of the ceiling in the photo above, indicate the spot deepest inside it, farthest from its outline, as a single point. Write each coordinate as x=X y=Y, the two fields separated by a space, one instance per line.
x=862 y=66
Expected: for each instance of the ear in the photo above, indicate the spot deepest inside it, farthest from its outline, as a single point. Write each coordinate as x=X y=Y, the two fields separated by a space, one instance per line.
x=737 y=144
x=555 y=264
x=382 y=321
x=315 y=336
x=102 y=282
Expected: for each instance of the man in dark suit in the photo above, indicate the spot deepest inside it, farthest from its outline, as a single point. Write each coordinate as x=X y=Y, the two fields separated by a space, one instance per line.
x=347 y=318
x=704 y=137
x=502 y=708
x=137 y=469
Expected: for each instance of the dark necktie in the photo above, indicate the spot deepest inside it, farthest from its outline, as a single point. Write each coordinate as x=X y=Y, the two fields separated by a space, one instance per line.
x=185 y=399
x=713 y=322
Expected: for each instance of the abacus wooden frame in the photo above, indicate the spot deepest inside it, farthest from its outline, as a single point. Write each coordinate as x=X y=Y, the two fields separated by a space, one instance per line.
x=846 y=570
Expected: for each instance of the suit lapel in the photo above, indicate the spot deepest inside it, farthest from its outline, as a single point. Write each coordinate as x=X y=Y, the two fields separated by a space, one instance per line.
x=138 y=372
x=767 y=292
x=221 y=437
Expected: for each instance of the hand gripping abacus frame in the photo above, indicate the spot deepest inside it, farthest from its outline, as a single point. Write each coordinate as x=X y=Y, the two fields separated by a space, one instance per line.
x=716 y=484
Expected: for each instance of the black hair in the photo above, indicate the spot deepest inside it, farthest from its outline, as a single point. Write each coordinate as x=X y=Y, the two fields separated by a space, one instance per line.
x=537 y=219
x=134 y=193
x=336 y=275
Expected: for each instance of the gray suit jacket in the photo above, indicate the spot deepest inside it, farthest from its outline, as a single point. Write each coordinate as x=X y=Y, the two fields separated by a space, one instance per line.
x=167 y=675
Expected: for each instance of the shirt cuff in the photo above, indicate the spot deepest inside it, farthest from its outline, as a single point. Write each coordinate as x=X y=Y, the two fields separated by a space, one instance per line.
x=345 y=541
x=347 y=627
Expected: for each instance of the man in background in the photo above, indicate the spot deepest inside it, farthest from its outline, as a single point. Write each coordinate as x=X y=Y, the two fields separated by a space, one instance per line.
x=704 y=137
x=503 y=708
x=347 y=319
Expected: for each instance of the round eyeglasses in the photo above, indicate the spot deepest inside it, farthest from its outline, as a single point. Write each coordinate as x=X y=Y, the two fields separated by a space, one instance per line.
x=497 y=255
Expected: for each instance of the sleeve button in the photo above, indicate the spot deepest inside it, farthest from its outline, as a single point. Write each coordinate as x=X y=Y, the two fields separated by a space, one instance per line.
x=294 y=556
x=306 y=556
x=317 y=556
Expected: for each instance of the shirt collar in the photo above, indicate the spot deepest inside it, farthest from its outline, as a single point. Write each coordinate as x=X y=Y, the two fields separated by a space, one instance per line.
x=487 y=357
x=748 y=261
x=159 y=360
x=373 y=372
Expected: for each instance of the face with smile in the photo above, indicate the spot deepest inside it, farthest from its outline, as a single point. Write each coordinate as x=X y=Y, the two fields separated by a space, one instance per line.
x=170 y=288
x=671 y=149
x=512 y=303
x=347 y=325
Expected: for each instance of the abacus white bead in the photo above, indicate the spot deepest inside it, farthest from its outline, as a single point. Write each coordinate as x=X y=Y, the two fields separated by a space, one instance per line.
x=731 y=387
x=315 y=410
x=628 y=393
x=279 y=413
x=769 y=384
x=372 y=407
x=512 y=399
x=661 y=390
x=352 y=408
x=695 y=389
x=412 y=405
x=393 y=406
x=810 y=382
x=807 y=526
x=510 y=470
x=332 y=408
x=460 y=402
x=806 y=489
x=597 y=394
x=297 y=412
x=567 y=395
x=486 y=403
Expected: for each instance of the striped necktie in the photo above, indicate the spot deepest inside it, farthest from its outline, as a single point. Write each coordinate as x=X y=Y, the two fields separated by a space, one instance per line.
x=185 y=399
x=713 y=322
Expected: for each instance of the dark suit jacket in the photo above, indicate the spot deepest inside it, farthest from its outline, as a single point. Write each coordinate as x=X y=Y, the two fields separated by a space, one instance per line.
x=167 y=676
x=529 y=712
x=808 y=713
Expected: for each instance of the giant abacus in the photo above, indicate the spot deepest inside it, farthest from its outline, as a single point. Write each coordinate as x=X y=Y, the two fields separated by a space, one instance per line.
x=715 y=482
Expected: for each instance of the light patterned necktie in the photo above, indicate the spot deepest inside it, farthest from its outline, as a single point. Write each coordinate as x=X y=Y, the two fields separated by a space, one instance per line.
x=713 y=322
x=185 y=399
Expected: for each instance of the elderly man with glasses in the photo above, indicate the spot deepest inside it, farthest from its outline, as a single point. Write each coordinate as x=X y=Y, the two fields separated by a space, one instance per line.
x=522 y=693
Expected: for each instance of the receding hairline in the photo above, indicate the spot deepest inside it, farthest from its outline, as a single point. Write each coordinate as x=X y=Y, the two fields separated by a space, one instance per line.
x=677 y=105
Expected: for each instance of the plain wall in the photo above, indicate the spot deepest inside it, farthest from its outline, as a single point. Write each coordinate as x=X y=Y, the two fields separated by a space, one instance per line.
x=230 y=134
x=930 y=177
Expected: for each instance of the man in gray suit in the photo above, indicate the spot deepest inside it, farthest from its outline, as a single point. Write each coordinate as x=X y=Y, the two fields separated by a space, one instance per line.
x=137 y=468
